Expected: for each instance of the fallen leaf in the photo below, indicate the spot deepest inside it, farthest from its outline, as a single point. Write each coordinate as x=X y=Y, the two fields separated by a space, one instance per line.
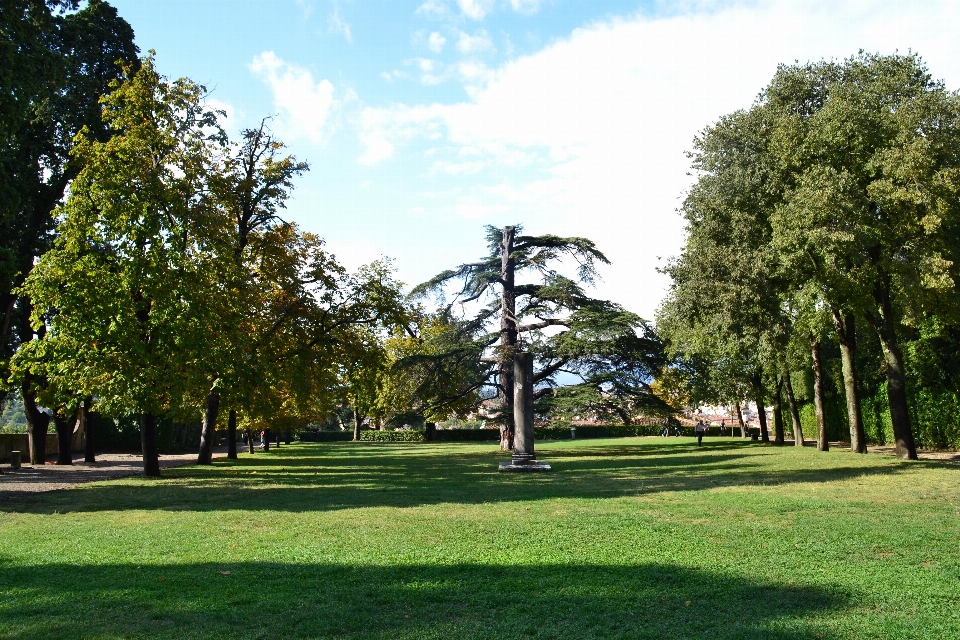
x=160 y=578
x=224 y=573
x=687 y=603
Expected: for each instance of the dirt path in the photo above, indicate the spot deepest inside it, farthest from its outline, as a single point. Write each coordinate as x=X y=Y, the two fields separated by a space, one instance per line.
x=50 y=477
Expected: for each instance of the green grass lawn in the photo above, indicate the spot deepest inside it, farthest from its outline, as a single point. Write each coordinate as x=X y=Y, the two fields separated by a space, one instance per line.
x=633 y=538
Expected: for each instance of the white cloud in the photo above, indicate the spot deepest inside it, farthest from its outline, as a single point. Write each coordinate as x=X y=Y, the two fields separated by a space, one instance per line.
x=595 y=125
x=475 y=9
x=432 y=9
x=435 y=42
x=232 y=114
x=306 y=8
x=336 y=24
x=304 y=105
x=526 y=7
x=477 y=43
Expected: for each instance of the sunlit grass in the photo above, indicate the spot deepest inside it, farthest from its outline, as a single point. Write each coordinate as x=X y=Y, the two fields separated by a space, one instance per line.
x=626 y=538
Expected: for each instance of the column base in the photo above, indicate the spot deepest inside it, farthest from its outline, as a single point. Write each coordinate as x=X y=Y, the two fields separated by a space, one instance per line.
x=525 y=466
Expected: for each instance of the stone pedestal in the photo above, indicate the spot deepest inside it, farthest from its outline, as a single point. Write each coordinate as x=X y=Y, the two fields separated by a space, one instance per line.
x=14 y=459
x=524 y=458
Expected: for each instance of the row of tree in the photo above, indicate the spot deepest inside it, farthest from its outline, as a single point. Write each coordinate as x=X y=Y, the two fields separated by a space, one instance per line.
x=166 y=282
x=165 y=285
x=825 y=220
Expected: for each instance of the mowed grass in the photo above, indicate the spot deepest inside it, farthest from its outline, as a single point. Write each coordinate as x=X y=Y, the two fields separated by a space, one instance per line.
x=636 y=538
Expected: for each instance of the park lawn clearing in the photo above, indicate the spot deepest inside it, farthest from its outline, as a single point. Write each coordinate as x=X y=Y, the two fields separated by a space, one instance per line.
x=626 y=538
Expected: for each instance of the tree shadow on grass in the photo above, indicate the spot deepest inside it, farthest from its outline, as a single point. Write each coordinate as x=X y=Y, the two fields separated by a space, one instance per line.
x=330 y=477
x=274 y=600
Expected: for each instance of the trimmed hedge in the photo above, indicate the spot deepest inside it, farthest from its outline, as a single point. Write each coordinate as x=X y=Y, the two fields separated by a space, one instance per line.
x=467 y=435
x=391 y=436
x=493 y=435
x=326 y=436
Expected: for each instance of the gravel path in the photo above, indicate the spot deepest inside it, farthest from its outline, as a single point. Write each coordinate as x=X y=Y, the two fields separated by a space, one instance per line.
x=50 y=477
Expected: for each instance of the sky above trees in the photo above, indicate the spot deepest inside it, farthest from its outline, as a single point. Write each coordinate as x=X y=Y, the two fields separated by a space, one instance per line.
x=425 y=121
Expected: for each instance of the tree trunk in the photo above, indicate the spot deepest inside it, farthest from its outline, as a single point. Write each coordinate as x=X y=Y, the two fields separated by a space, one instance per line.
x=508 y=337
x=794 y=411
x=37 y=423
x=286 y=437
x=89 y=432
x=232 y=434
x=209 y=432
x=148 y=444
x=778 y=413
x=430 y=432
x=357 y=423
x=266 y=439
x=250 y=447
x=743 y=427
x=884 y=324
x=818 y=403
x=64 y=427
x=847 y=337
x=761 y=407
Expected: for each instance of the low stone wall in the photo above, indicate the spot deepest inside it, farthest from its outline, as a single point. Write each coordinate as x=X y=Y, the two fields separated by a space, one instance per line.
x=14 y=442
x=21 y=442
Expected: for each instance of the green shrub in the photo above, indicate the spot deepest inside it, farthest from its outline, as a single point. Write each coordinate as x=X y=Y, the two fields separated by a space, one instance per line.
x=326 y=436
x=467 y=435
x=391 y=436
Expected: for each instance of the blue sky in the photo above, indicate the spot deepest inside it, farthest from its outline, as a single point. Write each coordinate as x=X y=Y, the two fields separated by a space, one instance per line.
x=425 y=120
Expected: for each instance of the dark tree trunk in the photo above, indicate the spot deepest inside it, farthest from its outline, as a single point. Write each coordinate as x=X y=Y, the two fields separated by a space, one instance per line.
x=232 y=434
x=897 y=398
x=148 y=444
x=761 y=407
x=37 y=423
x=430 y=432
x=508 y=336
x=847 y=337
x=794 y=411
x=818 y=401
x=357 y=423
x=209 y=432
x=64 y=427
x=743 y=427
x=778 y=413
x=250 y=447
x=286 y=437
x=267 y=436
x=89 y=432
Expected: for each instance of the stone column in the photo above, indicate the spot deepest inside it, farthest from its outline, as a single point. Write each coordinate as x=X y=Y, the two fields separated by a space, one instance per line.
x=523 y=408
x=524 y=458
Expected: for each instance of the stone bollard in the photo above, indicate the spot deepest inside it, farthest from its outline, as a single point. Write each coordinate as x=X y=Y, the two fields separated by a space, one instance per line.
x=14 y=459
x=573 y=433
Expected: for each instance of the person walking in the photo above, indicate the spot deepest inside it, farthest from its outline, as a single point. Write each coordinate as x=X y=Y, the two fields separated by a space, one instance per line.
x=700 y=429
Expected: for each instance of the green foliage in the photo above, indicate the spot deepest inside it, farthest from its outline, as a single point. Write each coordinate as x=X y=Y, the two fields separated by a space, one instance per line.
x=13 y=420
x=324 y=436
x=132 y=280
x=402 y=435
x=54 y=68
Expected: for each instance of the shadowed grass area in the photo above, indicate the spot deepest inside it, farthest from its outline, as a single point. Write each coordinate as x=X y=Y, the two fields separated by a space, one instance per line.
x=638 y=538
